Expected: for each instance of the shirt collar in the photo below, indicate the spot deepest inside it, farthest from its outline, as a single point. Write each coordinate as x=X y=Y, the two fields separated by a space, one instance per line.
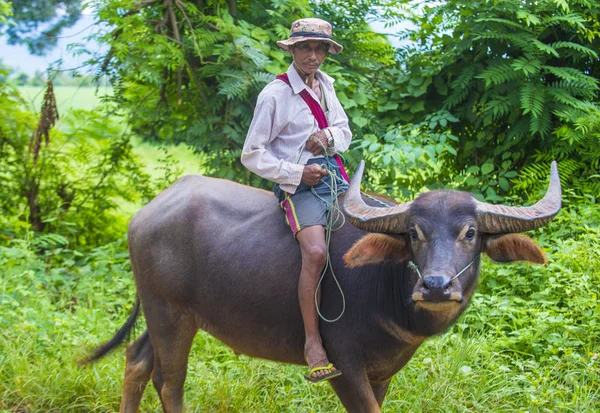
x=297 y=83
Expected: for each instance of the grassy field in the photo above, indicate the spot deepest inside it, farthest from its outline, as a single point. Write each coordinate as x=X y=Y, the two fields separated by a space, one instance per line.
x=528 y=343
x=67 y=97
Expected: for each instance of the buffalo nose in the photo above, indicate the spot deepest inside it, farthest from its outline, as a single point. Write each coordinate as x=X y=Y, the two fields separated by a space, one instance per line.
x=436 y=287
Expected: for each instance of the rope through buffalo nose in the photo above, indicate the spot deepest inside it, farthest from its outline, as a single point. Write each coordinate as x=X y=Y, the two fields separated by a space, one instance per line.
x=416 y=269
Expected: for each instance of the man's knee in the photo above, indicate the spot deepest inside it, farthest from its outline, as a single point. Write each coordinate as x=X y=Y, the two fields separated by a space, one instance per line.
x=315 y=255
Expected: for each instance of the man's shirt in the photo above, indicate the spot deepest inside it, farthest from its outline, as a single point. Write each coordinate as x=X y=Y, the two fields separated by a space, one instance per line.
x=281 y=126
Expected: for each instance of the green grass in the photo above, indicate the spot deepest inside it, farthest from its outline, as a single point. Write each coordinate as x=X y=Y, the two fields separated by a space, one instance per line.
x=152 y=157
x=67 y=97
x=163 y=163
x=528 y=343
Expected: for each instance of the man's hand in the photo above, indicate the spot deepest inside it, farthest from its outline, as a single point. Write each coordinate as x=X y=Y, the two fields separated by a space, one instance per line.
x=316 y=142
x=312 y=174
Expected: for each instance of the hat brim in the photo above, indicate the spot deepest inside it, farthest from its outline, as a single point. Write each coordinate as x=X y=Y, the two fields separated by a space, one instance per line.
x=286 y=44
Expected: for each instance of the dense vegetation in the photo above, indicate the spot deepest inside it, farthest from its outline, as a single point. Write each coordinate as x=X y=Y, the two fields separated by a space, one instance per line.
x=481 y=97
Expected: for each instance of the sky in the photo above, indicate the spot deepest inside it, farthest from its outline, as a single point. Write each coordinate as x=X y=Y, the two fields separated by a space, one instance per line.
x=19 y=58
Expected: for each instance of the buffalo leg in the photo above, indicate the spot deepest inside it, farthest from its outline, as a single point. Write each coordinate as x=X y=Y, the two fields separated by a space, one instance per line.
x=380 y=390
x=172 y=332
x=138 y=368
x=355 y=392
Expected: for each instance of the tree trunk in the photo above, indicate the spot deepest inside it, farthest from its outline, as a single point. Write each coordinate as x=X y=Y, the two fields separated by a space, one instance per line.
x=231 y=4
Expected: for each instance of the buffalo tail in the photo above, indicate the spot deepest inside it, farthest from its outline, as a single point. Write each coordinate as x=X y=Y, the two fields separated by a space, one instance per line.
x=121 y=335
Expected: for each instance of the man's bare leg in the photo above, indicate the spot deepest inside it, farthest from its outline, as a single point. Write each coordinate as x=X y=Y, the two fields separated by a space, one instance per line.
x=314 y=255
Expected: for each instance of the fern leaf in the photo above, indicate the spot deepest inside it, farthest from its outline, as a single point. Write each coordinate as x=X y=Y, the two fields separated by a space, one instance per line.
x=250 y=48
x=497 y=74
x=503 y=22
x=572 y=19
x=527 y=66
x=456 y=97
x=533 y=99
x=531 y=175
x=523 y=41
x=530 y=19
x=281 y=31
x=563 y=4
x=234 y=85
x=206 y=38
x=462 y=81
x=572 y=74
x=561 y=95
x=576 y=88
x=548 y=49
x=262 y=78
x=575 y=46
x=542 y=124
x=500 y=106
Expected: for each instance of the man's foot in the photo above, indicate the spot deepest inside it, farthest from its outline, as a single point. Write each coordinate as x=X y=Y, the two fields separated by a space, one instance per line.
x=332 y=373
x=318 y=364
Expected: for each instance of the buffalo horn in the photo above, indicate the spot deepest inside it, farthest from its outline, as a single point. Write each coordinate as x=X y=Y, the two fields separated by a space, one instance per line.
x=373 y=219
x=497 y=219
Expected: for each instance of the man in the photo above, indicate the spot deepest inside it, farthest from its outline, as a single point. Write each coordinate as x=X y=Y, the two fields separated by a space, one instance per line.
x=288 y=144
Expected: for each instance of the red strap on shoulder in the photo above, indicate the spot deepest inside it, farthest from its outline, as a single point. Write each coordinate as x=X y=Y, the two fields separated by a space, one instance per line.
x=313 y=105
x=284 y=77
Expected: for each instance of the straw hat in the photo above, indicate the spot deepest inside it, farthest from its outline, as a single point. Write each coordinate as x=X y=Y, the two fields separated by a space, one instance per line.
x=310 y=29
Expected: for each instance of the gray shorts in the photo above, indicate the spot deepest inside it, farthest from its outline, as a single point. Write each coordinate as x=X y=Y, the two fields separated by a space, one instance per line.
x=303 y=208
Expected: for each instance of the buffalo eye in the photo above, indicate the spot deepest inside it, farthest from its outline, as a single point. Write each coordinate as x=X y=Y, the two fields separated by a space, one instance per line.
x=413 y=234
x=470 y=234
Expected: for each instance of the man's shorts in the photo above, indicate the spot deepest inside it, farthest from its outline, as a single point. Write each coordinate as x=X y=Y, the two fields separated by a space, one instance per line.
x=304 y=209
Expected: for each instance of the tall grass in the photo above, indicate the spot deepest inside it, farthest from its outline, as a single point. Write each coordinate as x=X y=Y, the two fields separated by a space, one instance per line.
x=528 y=343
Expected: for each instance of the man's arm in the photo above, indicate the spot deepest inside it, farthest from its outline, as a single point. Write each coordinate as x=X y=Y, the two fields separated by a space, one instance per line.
x=264 y=128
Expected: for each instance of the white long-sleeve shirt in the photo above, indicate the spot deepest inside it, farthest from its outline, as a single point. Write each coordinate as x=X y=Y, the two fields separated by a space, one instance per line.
x=282 y=124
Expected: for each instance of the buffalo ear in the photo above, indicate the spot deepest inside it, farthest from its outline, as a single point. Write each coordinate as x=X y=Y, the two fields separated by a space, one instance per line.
x=376 y=248
x=513 y=247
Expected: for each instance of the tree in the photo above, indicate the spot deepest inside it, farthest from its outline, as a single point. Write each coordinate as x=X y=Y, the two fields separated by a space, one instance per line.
x=520 y=81
x=191 y=71
x=21 y=79
x=38 y=24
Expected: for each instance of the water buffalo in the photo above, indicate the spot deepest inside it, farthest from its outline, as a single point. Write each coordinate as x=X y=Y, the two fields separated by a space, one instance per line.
x=215 y=255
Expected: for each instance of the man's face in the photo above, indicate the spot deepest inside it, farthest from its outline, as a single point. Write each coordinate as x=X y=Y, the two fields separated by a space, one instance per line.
x=309 y=55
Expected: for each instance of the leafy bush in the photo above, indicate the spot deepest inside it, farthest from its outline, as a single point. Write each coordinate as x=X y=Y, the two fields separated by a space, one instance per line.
x=54 y=305
x=523 y=81
x=72 y=185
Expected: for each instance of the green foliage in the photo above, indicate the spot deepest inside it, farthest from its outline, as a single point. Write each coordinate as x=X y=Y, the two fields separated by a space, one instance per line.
x=53 y=305
x=74 y=183
x=184 y=72
x=522 y=78
x=5 y=12
x=412 y=158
